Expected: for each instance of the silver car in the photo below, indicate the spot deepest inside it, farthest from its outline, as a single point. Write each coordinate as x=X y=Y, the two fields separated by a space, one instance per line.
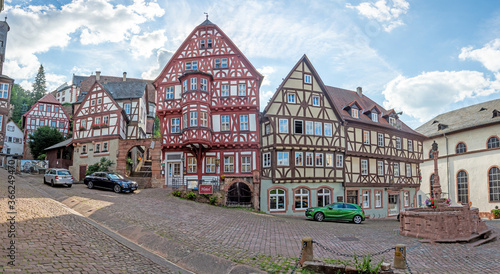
x=58 y=176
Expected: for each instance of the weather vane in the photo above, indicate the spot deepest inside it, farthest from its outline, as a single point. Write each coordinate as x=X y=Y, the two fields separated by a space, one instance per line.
x=206 y=14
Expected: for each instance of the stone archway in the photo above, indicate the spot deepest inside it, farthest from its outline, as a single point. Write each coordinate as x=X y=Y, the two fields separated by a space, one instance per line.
x=239 y=192
x=152 y=152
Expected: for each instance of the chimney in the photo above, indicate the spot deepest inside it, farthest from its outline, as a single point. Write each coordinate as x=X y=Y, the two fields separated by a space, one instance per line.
x=359 y=91
x=124 y=76
x=97 y=75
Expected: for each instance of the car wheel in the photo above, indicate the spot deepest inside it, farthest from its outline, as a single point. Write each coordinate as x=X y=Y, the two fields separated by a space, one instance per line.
x=357 y=219
x=44 y=181
x=132 y=191
x=319 y=217
x=70 y=185
x=117 y=189
x=90 y=184
x=52 y=183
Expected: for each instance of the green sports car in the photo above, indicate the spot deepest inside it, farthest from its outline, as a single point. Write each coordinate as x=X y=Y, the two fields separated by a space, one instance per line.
x=337 y=211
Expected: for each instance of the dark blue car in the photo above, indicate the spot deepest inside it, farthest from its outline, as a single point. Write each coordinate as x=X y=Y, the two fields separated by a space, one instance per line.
x=110 y=180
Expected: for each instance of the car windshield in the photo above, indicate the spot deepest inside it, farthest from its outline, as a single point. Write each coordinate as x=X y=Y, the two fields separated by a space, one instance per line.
x=63 y=172
x=115 y=176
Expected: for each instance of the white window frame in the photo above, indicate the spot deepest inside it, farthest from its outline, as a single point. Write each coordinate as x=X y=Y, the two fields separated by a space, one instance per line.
x=299 y=159
x=375 y=117
x=279 y=195
x=410 y=145
x=193 y=119
x=408 y=170
x=203 y=84
x=315 y=101
x=283 y=125
x=291 y=98
x=295 y=123
x=4 y=90
x=229 y=164
x=192 y=166
x=318 y=128
x=127 y=107
x=224 y=63
x=242 y=90
x=366 y=137
x=398 y=142
x=309 y=159
x=318 y=159
x=266 y=159
x=339 y=160
x=246 y=164
x=392 y=121
x=204 y=119
x=380 y=168
x=378 y=198
x=283 y=158
x=365 y=199
x=381 y=141
x=364 y=167
x=169 y=93
x=406 y=199
x=210 y=165
x=396 y=171
x=307 y=78
x=225 y=123
x=175 y=125
x=224 y=90
x=328 y=129
x=243 y=122
x=329 y=159
x=194 y=83
x=309 y=127
x=355 y=113
x=301 y=195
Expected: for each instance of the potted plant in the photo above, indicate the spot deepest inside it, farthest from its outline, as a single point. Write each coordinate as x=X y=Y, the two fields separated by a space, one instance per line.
x=81 y=128
x=103 y=125
x=495 y=213
x=430 y=203
x=95 y=126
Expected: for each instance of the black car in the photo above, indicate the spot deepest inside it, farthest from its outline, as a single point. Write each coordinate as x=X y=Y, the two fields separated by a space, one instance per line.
x=110 y=180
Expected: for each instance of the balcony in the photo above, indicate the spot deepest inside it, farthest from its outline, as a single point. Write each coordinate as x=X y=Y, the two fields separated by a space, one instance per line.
x=197 y=137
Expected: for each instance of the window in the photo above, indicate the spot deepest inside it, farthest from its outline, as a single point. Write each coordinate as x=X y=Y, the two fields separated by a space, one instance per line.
x=188 y=65
x=83 y=124
x=316 y=100
x=364 y=167
x=461 y=148
x=210 y=164
x=366 y=199
x=203 y=84
x=99 y=101
x=105 y=147
x=84 y=149
x=328 y=129
x=92 y=102
x=282 y=158
x=329 y=159
x=283 y=125
x=10 y=128
x=126 y=107
x=243 y=122
x=224 y=91
x=185 y=86
x=276 y=199
x=309 y=159
x=378 y=198
x=4 y=90
x=398 y=142
x=298 y=159
x=224 y=62
x=267 y=159
x=225 y=126
x=309 y=127
x=228 y=163
x=392 y=121
x=462 y=187
x=195 y=65
x=291 y=98
x=301 y=198
x=431 y=154
x=366 y=137
x=318 y=127
x=202 y=43
x=193 y=84
x=319 y=159
x=246 y=166
x=267 y=128
x=105 y=119
x=209 y=43
x=406 y=198
x=33 y=121
x=54 y=124
x=204 y=119
x=175 y=125
x=56 y=109
x=307 y=79
x=49 y=109
x=170 y=93
x=42 y=123
x=242 y=90
x=380 y=168
x=324 y=197
x=40 y=107
x=381 y=142
x=396 y=169
x=408 y=170
x=299 y=127
x=97 y=120
x=339 y=160
x=494 y=183
x=217 y=63
x=410 y=145
x=354 y=113
x=191 y=168
x=375 y=117
x=193 y=119
x=493 y=142
x=97 y=148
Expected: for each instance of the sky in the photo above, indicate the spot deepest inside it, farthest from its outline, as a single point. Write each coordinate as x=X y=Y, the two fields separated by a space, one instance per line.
x=420 y=57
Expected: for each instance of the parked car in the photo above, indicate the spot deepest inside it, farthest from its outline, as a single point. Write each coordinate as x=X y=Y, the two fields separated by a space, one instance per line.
x=337 y=211
x=58 y=176
x=110 y=180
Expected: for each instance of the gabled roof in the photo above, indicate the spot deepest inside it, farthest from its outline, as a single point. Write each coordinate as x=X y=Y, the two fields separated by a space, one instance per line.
x=77 y=80
x=226 y=38
x=125 y=90
x=61 y=144
x=49 y=98
x=344 y=97
x=461 y=119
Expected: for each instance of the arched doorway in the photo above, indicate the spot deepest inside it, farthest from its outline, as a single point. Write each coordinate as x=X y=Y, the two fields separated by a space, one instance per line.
x=239 y=194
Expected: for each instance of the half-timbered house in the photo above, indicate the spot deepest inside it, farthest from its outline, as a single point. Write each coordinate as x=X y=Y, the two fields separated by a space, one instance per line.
x=382 y=155
x=13 y=145
x=107 y=112
x=5 y=84
x=45 y=112
x=208 y=105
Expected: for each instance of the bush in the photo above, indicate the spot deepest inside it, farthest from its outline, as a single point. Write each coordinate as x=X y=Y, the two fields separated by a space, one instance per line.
x=191 y=196
x=213 y=200
x=176 y=193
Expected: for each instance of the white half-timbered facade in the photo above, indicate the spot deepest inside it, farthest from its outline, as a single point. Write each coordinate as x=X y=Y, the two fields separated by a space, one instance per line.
x=208 y=105
x=5 y=83
x=45 y=112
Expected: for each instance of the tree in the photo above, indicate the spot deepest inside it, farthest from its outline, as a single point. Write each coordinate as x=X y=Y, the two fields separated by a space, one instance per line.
x=103 y=165
x=43 y=138
x=156 y=133
x=39 y=86
x=21 y=100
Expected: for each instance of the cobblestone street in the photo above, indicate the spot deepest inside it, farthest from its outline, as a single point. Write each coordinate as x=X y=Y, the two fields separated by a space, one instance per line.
x=178 y=229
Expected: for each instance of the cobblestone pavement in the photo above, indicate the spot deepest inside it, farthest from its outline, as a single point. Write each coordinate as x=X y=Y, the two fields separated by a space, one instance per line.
x=50 y=237
x=271 y=243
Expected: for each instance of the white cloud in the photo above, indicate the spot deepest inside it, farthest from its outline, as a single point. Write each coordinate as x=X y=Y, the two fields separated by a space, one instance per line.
x=265 y=96
x=380 y=11
x=432 y=93
x=266 y=72
x=144 y=45
x=162 y=58
x=489 y=55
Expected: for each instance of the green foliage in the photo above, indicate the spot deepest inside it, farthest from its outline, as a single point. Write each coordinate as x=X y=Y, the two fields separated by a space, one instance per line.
x=156 y=133
x=22 y=101
x=191 y=196
x=176 y=193
x=65 y=104
x=43 y=138
x=103 y=165
x=41 y=157
x=39 y=86
x=213 y=200
x=365 y=265
x=496 y=213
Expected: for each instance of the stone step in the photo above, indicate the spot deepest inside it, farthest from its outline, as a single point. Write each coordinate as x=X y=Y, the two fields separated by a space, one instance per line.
x=138 y=174
x=491 y=238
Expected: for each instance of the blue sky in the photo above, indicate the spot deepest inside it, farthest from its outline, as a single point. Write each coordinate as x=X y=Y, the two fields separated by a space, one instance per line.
x=421 y=57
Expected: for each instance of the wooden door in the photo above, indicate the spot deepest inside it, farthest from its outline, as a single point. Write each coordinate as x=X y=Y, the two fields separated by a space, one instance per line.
x=83 y=169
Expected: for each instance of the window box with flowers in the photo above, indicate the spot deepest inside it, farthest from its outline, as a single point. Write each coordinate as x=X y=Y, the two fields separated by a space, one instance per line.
x=81 y=128
x=103 y=125
x=95 y=126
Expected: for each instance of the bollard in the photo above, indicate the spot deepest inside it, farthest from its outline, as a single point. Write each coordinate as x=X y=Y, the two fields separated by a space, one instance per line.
x=307 y=254
x=399 y=261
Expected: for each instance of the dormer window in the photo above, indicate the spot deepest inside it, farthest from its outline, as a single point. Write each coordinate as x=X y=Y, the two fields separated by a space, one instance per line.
x=355 y=113
x=392 y=121
x=442 y=126
x=496 y=113
x=375 y=117
x=202 y=44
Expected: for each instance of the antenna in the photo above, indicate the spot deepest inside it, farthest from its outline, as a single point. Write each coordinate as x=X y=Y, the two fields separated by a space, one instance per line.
x=206 y=14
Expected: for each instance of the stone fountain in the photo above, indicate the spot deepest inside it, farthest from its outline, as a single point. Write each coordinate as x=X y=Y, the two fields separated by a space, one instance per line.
x=443 y=223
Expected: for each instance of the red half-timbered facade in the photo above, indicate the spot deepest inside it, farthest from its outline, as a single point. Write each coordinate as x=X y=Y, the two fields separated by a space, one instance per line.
x=45 y=112
x=208 y=105
x=5 y=84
